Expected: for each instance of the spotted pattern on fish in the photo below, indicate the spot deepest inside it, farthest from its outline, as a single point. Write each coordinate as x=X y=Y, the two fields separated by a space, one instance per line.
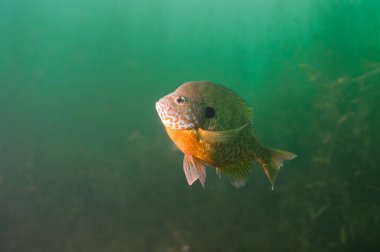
x=212 y=125
x=173 y=118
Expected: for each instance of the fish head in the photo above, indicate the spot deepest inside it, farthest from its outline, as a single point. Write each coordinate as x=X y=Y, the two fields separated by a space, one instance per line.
x=201 y=104
x=176 y=111
x=186 y=107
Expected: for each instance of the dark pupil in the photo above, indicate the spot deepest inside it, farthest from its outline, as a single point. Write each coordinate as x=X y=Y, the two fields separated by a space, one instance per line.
x=209 y=112
x=179 y=100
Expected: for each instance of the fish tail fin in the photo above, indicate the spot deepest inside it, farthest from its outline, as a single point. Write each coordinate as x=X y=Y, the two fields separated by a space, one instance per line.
x=275 y=162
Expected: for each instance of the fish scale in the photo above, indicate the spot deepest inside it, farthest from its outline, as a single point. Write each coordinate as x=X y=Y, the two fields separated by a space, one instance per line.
x=223 y=139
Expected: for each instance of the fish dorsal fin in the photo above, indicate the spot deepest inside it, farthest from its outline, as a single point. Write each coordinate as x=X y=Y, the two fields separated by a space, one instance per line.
x=220 y=136
x=194 y=169
x=237 y=173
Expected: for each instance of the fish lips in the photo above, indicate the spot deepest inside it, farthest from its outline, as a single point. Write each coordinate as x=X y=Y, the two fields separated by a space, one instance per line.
x=161 y=108
x=161 y=105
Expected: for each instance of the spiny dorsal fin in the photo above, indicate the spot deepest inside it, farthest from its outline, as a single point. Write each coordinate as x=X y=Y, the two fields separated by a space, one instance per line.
x=238 y=173
x=220 y=136
x=194 y=169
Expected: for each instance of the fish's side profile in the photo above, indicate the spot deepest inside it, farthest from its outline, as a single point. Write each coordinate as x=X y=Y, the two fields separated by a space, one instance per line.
x=212 y=126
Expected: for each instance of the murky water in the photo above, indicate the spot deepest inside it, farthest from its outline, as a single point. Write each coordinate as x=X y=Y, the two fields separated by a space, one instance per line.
x=86 y=165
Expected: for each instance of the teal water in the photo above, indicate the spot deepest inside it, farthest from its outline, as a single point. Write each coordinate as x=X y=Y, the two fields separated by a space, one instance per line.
x=85 y=163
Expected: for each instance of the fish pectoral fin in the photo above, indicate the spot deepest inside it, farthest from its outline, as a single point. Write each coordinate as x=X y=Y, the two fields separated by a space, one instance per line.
x=237 y=173
x=220 y=136
x=194 y=169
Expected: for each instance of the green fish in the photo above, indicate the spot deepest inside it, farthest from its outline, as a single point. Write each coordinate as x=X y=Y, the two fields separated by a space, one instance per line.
x=212 y=126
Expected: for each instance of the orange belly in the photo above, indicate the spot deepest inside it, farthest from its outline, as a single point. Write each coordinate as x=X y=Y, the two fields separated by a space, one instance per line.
x=188 y=142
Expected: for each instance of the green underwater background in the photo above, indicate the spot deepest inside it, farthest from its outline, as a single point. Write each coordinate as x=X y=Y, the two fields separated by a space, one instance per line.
x=86 y=165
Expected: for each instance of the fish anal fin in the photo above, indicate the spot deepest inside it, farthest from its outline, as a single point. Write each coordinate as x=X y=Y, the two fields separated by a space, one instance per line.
x=220 y=136
x=194 y=169
x=237 y=173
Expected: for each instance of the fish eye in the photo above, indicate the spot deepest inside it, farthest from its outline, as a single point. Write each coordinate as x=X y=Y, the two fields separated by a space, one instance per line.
x=209 y=112
x=179 y=100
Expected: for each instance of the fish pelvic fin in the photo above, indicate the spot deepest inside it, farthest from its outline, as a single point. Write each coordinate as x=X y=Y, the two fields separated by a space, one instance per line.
x=194 y=169
x=220 y=136
x=272 y=167
x=237 y=173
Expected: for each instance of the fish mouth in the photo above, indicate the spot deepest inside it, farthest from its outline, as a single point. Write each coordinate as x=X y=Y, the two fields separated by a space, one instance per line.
x=161 y=108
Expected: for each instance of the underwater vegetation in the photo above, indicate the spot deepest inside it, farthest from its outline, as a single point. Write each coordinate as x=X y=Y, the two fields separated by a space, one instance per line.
x=85 y=163
x=347 y=124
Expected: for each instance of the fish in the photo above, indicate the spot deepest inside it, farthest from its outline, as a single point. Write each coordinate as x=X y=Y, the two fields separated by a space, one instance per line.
x=213 y=127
